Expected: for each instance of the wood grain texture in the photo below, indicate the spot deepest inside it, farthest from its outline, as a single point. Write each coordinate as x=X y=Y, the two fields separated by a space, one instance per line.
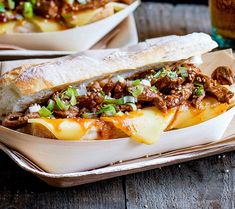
x=21 y=190
x=206 y=183
x=154 y=19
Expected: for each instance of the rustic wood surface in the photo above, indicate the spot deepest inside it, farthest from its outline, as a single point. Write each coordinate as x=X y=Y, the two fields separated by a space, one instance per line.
x=206 y=183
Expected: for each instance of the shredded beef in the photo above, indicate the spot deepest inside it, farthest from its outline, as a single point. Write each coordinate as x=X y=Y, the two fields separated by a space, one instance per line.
x=119 y=89
x=47 y=8
x=221 y=93
x=223 y=75
x=91 y=100
x=72 y=112
x=167 y=83
x=94 y=86
x=180 y=95
x=108 y=87
x=18 y=120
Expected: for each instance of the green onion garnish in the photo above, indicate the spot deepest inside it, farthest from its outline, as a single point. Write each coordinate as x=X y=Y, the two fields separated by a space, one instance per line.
x=183 y=72
x=72 y=93
x=51 y=105
x=172 y=74
x=44 y=112
x=11 y=4
x=153 y=89
x=200 y=89
x=108 y=110
x=136 y=82
x=136 y=90
x=28 y=9
x=102 y=93
x=33 y=1
x=158 y=74
x=61 y=104
x=2 y=7
x=110 y=100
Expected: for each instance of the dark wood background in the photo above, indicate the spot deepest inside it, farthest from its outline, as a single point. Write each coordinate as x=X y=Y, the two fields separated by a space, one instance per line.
x=207 y=183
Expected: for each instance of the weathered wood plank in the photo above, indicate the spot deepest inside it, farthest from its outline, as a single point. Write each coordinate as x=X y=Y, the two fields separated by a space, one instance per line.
x=155 y=19
x=21 y=190
x=207 y=183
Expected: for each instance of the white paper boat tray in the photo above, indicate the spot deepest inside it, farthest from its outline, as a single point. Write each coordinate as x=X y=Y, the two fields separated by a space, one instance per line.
x=69 y=163
x=75 y=39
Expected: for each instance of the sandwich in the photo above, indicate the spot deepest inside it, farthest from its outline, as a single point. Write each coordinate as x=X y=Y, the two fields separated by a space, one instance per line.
x=138 y=92
x=54 y=15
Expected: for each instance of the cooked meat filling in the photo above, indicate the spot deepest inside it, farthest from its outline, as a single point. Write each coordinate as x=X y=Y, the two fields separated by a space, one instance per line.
x=164 y=87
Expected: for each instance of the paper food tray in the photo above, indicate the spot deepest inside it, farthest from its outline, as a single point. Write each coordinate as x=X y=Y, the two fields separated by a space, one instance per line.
x=55 y=156
x=75 y=39
x=124 y=34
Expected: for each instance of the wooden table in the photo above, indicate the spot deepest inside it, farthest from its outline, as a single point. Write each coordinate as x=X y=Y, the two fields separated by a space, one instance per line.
x=205 y=183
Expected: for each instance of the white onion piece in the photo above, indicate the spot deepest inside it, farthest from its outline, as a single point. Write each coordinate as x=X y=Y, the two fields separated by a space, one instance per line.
x=129 y=99
x=82 y=90
x=146 y=82
x=34 y=108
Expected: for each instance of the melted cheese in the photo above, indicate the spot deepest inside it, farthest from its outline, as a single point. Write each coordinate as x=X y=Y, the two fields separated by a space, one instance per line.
x=188 y=116
x=144 y=126
x=66 y=129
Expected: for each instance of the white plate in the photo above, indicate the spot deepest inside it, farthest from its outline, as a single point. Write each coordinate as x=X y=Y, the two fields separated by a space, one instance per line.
x=75 y=39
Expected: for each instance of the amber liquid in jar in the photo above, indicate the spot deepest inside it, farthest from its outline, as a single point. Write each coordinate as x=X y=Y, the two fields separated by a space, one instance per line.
x=223 y=22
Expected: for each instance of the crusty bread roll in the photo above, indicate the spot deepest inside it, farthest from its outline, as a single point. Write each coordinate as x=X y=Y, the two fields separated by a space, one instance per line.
x=33 y=83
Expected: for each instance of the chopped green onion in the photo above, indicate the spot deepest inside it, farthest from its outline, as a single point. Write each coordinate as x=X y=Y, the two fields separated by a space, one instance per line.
x=61 y=104
x=88 y=115
x=51 y=105
x=33 y=1
x=172 y=74
x=136 y=82
x=136 y=90
x=198 y=84
x=200 y=89
x=108 y=110
x=110 y=100
x=44 y=112
x=133 y=106
x=183 y=72
x=28 y=9
x=158 y=74
x=102 y=93
x=2 y=7
x=123 y=100
x=72 y=93
x=11 y=4
x=153 y=89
